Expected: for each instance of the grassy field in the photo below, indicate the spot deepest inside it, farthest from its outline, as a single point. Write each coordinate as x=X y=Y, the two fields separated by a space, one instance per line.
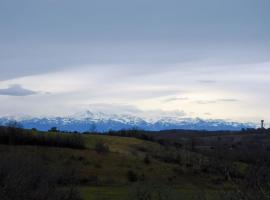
x=113 y=167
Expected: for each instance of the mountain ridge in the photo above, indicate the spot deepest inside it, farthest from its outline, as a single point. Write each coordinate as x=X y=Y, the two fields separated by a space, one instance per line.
x=101 y=122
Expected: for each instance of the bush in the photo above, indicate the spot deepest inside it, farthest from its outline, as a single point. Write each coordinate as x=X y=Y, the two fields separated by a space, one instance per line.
x=18 y=136
x=100 y=147
x=147 y=160
x=53 y=129
x=28 y=178
x=135 y=133
x=132 y=176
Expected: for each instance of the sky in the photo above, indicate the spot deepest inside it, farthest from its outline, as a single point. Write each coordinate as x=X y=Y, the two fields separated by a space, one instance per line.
x=207 y=59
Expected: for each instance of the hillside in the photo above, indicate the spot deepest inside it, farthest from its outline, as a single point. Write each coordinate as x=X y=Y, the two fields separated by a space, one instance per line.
x=113 y=167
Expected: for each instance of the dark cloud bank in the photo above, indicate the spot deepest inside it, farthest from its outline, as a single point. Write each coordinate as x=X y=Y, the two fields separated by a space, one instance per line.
x=17 y=90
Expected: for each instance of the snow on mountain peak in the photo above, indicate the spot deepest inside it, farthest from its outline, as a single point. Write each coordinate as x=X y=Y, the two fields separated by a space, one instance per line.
x=89 y=120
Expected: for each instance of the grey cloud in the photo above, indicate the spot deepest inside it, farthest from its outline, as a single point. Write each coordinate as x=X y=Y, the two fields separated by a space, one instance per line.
x=175 y=99
x=17 y=90
x=111 y=108
x=207 y=81
x=206 y=101
x=228 y=100
x=115 y=33
x=216 y=101
x=174 y=42
x=28 y=59
x=130 y=109
x=139 y=93
x=156 y=19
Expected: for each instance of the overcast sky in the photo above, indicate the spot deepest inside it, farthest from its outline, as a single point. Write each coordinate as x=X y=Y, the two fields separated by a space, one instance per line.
x=208 y=59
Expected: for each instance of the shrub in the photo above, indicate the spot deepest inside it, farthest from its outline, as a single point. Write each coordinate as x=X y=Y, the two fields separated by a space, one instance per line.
x=100 y=147
x=53 y=129
x=29 y=178
x=132 y=176
x=147 y=160
x=17 y=136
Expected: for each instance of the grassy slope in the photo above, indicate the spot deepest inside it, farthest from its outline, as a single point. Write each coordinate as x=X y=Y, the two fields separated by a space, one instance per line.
x=104 y=176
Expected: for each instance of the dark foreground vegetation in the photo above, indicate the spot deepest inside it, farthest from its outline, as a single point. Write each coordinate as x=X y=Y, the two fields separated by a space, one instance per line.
x=18 y=136
x=134 y=164
x=24 y=177
x=28 y=176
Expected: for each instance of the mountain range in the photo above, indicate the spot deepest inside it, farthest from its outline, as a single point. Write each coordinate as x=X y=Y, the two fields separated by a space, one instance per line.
x=98 y=121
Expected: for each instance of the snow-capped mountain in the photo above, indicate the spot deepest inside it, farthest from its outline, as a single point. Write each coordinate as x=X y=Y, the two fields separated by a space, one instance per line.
x=98 y=121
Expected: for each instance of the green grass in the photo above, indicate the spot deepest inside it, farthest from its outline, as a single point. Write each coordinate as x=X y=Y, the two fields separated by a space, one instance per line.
x=123 y=193
x=104 y=193
x=104 y=176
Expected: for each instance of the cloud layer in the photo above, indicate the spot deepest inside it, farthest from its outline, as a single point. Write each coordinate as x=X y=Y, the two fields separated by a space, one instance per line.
x=17 y=90
x=200 y=57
